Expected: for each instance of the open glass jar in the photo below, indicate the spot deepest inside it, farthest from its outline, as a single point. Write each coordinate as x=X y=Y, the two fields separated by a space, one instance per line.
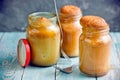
x=95 y=45
x=71 y=28
x=43 y=35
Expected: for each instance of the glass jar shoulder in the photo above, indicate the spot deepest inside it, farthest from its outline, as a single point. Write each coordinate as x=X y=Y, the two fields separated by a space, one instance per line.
x=70 y=27
x=43 y=31
x=96 y=41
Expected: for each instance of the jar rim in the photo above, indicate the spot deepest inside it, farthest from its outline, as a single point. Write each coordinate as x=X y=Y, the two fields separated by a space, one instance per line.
x=48 y=15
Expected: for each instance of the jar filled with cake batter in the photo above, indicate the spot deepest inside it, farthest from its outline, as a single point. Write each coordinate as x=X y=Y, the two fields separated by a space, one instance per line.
x=71 y=28
x=95 y=44
x=44 y=38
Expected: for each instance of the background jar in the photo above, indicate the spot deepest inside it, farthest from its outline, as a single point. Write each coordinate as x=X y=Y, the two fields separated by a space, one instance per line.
x=71 y=28
x=43 y=35
x=95 y=44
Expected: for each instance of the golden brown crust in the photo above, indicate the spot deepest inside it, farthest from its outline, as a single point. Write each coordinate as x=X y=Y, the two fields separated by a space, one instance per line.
x=94 y=22
x=70 y=9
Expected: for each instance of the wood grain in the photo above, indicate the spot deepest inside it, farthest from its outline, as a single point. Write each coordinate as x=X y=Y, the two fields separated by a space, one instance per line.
x=75 y=75
x=8 y=51
x=114 y=73
x=39 y=73
x=8 y=56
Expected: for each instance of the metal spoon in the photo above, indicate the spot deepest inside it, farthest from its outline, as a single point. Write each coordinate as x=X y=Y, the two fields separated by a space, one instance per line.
x=67 y=70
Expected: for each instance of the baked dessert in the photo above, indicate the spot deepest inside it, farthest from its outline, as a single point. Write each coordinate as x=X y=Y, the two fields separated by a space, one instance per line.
x=95 y=45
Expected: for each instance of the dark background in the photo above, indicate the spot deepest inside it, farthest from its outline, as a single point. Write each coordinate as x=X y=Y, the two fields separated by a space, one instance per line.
x=14 y=13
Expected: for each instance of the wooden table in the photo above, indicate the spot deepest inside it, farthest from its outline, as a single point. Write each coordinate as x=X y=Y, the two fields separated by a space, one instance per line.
x=8 y=62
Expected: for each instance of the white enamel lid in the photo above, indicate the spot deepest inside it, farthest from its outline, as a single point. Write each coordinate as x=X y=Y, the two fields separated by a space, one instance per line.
x=23 y=50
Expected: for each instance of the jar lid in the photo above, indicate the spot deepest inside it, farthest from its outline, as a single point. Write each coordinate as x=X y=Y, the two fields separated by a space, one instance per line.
x=23 y=52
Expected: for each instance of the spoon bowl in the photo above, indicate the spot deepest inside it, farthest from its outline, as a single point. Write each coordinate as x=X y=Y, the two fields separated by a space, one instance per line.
x=66 y=70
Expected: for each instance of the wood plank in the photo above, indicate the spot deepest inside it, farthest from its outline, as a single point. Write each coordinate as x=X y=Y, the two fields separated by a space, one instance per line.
x=8 y=48
x=114 y=74
x=39 y=73
x=1 y=34
x=75 y=75
x=8 y=53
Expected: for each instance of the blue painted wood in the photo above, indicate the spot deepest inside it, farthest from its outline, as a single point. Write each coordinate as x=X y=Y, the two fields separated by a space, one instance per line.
x=114 y=73
x=75 y=75
x=8 y=53
x=1 y=34
x=39 y=73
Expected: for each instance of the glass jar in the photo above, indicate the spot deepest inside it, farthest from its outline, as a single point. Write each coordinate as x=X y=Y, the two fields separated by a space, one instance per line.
x=71 y=28
x=43 y=35
x=95 y=44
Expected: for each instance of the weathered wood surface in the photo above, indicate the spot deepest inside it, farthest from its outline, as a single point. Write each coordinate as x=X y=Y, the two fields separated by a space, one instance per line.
x=8 y=51
x=8 y=62
x=114 y=73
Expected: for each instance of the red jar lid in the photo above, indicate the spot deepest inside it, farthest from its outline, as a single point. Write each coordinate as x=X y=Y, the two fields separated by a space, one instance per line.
x=23 y=54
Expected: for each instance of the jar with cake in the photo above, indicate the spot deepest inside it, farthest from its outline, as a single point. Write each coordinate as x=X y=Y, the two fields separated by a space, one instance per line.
x=43 y=35
x=71 y=28
x=95 y=44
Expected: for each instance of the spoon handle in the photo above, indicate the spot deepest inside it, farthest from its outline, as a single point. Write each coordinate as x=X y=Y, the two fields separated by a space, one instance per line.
x=65 y=56
x=58 y=19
